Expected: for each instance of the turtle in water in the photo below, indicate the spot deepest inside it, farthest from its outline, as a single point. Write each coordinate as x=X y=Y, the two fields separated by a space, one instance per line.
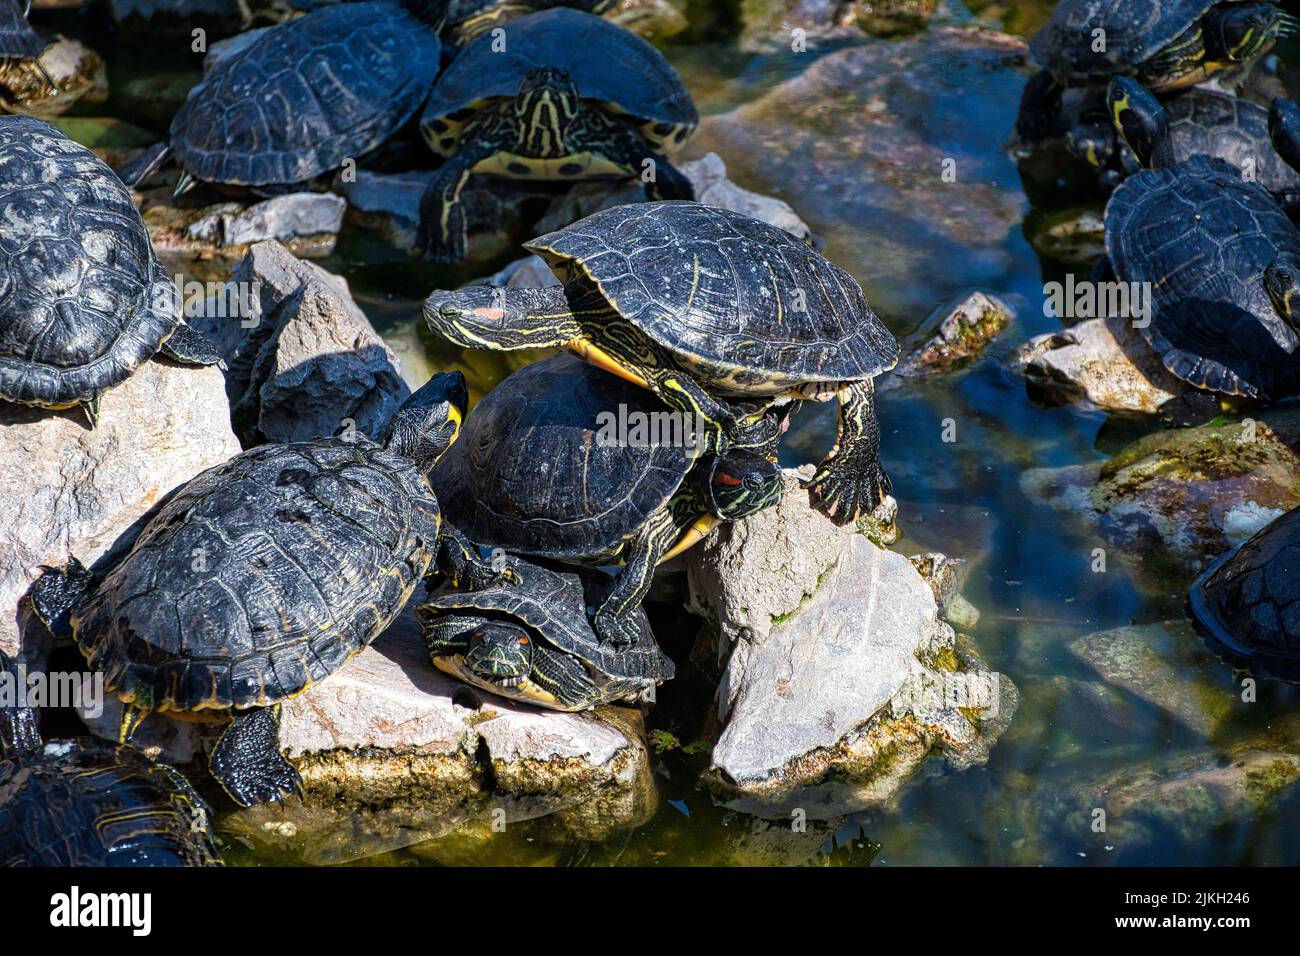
x=1165 y=44
x=1203 y=122
x=702 y=305
x=533 y=642
x=264 y=575
x=83 y=299
x=470 y=19
x=307 y=95
x=1247 y=602
x=84 y=802
x=1219 y=256
x=542 y=470
x=548 y=105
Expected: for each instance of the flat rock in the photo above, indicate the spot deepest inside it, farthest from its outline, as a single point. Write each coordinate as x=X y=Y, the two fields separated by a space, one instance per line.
x=293 y=216
x=836 y=687
x=1103 y=364
x=1177 y=498
x=305 y=361
x=953 y=337
x=68 y=491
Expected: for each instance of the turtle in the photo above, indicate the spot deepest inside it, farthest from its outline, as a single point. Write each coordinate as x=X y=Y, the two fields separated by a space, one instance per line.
x=307 y=95
x=542 y=470
x=701 y=305
x=469 y=19
x=83 y=298
x=543 y=102
x=1246 y=603
x=1165 y=44
x=1204 y=122
x=533 y=642
x=262 y=576
x=1218 y=254
x=86 y=802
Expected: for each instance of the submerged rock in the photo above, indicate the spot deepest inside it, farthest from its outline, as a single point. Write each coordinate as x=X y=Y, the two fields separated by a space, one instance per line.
x=1176 y=498
x=952 y=337
x=656 y=20
x=1098 y=363
x=840 y=679
x=303 y=360
x=1074 y=237
x=69 y=491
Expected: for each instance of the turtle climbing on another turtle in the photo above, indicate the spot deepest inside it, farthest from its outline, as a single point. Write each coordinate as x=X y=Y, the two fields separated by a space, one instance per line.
x=1219 y=256
x=263 y=576
x=84 y=300
x=533 y=642
x=568 y=97
x=1165 y=45
x=308 y=95
x=84 y=802
x=702 y=305
x=1247 y=602
x=543 y=471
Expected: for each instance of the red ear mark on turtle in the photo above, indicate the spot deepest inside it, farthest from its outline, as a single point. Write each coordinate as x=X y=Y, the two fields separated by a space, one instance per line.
x=723 y=478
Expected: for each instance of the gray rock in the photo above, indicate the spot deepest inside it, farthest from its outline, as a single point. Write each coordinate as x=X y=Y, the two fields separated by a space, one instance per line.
x=952 y=337
x=841 y=678
x=78 y=74
x=1097 y=363
x=293 y=216
x=771 y=25
x=387 y=204
x=656 y=20
x=946 y=576
x=305 y=361
x=67 y=491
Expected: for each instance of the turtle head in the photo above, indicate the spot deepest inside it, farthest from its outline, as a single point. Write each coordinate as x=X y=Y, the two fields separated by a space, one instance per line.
x=1284 y=130
x=1140 y=121
x=429 y=421
x=1282 y=283
x=738 y=484
x=499 y=653
x=1240 y=32
x=1092 y=144
x=545 y=106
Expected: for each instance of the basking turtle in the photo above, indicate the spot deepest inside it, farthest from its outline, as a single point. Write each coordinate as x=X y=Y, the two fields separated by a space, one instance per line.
x=1165 y=44
x=84 y=802
x=548 y=105
x=532 y=642
x=469 y=19
x=701 y=304
x=1202 y=122
x=543 y=471
x=306 y=95
x=1219 y=256
x=264 y=575
x=83 y=299
x=1247 y=602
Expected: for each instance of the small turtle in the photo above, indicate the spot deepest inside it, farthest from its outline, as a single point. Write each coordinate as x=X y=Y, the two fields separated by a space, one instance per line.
x=307 y=95
x=568 y=97
x=533 y=642
x=700 y=304
x=1165 y=44
x=542 y=470
x=1219 y=256
x=83 y=299
x=469 y=19
x=1247 y=602
x=263 y=576
x=84 y=802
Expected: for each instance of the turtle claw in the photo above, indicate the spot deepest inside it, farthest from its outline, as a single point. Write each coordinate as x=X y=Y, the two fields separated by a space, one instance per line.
x=844 y=491
x=248 y=764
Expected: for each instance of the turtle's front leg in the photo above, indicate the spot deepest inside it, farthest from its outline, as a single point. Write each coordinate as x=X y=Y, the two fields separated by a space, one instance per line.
x=626 y=147
x=442 y=234
x=616 y=620
x=850 y=481
x=715 y=425
x=247 y=761
x=459 y=559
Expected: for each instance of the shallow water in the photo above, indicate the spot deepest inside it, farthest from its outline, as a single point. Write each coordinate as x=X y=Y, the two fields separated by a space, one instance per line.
x=1032 y=575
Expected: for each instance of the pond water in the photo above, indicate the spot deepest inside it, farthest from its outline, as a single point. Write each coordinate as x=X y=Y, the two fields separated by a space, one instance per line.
x=1032 y=577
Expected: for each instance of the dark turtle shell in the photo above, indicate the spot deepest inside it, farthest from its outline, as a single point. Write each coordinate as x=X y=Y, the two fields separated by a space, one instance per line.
x=529 y=473
x=608 y=64
x=552 y=601
x=1202 y=237
x=17 y=39
x=740 y=302
x=1208 y=123
x=1247 y=603
x=307 y=95
x=1135 y=31
x=88 y=803
x=262 y=576
x=83 y=299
